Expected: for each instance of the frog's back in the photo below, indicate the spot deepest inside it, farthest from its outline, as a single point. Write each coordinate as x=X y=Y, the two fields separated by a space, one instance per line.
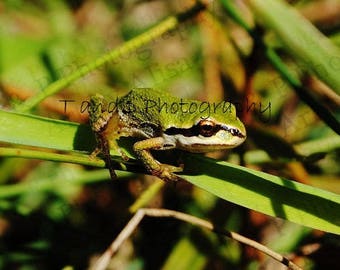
x=147 y=105
x=138 y=112
x=157 y=111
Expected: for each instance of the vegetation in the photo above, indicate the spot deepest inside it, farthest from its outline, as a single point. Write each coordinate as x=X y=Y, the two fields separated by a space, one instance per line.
x=278 y=63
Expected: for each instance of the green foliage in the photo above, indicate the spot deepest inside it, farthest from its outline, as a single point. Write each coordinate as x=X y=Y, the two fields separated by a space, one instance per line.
x=57 y=205
x=269 y=194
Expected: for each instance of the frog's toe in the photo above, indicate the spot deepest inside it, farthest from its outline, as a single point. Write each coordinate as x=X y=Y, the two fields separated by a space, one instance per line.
x=95 y=153
x=167 y=173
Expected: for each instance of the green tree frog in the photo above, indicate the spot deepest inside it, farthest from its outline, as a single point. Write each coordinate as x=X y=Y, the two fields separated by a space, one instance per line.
x=163 y=122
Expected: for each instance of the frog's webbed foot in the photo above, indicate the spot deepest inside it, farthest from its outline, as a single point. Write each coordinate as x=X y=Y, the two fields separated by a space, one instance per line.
x=167 y=172
x=121 y=153
x=95 y=153
x=163 y=171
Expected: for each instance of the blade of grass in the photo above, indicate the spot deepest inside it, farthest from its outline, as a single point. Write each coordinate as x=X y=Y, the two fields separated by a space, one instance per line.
x=45 y=132
x=44 y=155
x=301 y=39
x=269 y=194
x=167 y=25
x=146 y=196
x=7 y=191
x=266 y=193
x=304 y=93
x=185 y=256
x=278 y=64
x=322 y=145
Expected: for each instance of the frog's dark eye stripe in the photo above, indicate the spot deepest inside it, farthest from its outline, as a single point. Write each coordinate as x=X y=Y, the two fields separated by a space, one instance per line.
x=205 y=128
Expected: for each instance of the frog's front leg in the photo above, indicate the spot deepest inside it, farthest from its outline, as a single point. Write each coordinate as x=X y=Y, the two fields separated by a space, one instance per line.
x=163 y=171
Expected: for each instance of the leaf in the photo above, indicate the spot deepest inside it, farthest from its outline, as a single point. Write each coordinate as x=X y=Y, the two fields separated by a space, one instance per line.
x=301 y=39
x=265 y=139
x=45 y=132
x=266 y=193
x=185 y=255
x=269 y=194
x=15 y=49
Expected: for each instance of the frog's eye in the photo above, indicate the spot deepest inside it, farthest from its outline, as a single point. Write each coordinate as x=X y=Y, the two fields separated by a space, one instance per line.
x=206 y=128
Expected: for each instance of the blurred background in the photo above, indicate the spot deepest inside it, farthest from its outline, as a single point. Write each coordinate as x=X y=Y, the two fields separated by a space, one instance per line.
x=208 y=57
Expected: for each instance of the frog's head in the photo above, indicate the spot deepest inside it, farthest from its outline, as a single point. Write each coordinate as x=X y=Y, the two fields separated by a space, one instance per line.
x=219 y=130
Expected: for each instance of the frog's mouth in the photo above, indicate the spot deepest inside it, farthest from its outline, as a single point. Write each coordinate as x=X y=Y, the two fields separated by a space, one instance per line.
x=197 y=143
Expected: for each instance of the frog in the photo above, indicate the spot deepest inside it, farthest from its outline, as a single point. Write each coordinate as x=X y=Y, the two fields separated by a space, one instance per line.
x=160 y=121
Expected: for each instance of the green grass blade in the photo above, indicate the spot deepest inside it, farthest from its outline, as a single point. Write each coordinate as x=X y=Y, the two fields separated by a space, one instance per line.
x=269 y=194
x=126 y=48
x=301 y=39
x=8 y=191
x=304 y=93
x=266 y=193
x=45 y=132
x=162 y=27
x=185 y=255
